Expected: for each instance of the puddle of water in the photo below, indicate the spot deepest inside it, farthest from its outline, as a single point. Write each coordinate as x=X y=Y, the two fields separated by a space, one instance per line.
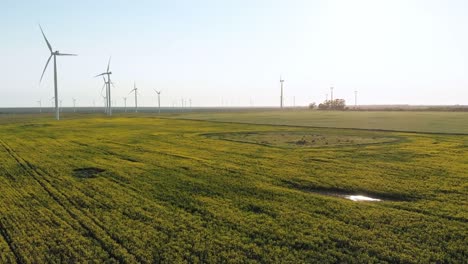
x=361 y=198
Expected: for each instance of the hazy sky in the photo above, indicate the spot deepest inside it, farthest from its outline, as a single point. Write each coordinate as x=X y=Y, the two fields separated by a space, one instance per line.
x=391 y=51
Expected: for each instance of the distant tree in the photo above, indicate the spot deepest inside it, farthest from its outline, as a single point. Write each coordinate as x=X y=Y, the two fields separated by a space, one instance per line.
x=337 y=104
x=312 y=105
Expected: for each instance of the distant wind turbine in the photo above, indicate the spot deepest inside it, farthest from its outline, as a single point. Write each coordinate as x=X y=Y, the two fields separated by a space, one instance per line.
x=40 y=106
x=74 y=105
x=159 y=101
x=108 y=89
x=281 y=97
x=135 y=90
x=125 y=104
x=355 y=99
x=53 y=54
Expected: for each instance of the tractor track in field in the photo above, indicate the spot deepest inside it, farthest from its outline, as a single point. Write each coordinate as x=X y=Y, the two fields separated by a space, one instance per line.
x=35 y=173
x=3 y=231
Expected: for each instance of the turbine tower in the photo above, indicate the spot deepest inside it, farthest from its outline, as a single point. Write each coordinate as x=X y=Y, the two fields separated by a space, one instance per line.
x=125 y=104
x=74 y=105
x=53 y=54
x=331 y=93
x=159 y=101
x=135 y=90
x=108 y=89
x=281 y=97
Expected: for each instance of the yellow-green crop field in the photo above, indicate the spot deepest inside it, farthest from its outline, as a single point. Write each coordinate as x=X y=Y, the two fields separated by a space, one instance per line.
x=143 y=189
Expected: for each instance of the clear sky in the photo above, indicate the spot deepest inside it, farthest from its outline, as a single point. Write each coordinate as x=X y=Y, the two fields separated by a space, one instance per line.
x=212 y=51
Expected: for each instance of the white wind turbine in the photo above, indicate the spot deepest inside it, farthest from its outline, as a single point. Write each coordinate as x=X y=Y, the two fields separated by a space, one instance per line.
x=53 y=54
x=135 y=90
x=74 y=105
x=125 y=104
x=40 y=106
x=159 y=101
x=108 y=89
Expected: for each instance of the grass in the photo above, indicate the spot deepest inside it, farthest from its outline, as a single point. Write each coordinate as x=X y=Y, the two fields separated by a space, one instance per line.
x=431 y=122
x=161 y=190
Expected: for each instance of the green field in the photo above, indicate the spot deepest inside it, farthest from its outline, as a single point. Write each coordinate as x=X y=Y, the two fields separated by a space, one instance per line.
x=149 y=190
x=431 y=122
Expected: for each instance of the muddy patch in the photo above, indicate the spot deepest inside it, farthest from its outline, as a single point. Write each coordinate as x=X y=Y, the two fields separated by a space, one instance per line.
x=35 y=125
x=303 y=139
x=129 y=159
x=86 y=173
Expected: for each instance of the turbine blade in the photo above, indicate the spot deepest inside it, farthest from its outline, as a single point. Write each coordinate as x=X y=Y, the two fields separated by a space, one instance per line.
x=103 y=89
x=108 y=64
x=48 y=44
x=102 y=74
x=66 y=54
x=47 y=63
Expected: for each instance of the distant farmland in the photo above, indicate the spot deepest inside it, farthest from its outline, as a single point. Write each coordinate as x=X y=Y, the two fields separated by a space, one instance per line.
x=425 y=121
x=144 y=189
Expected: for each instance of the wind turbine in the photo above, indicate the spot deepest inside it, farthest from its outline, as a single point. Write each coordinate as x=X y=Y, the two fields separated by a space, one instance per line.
x=331 y=93
x=125 y=104
x=159 y=101
x=281 y=97
x=135 y=90
x=355 y=99
x=40 y=106
x=108 y=90
x=74 y=105
x=53 y=54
